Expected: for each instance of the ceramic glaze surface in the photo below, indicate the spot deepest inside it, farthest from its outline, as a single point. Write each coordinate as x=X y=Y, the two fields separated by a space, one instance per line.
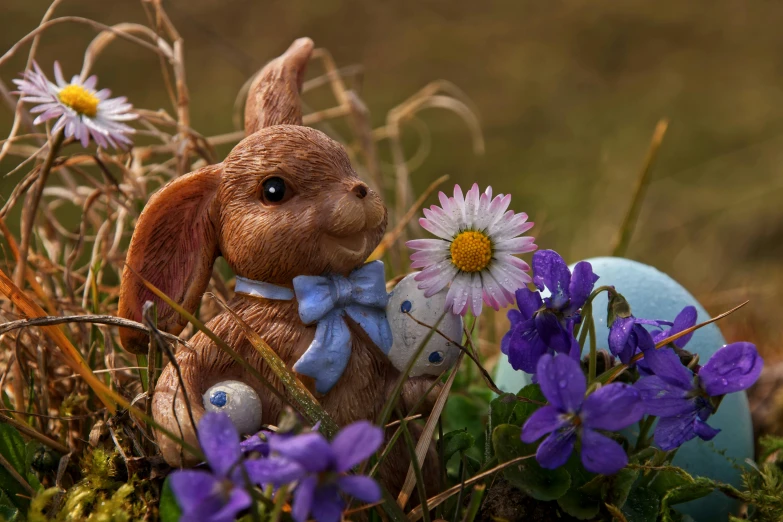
x=654 y=295
x=237 y=400
x=439 y=354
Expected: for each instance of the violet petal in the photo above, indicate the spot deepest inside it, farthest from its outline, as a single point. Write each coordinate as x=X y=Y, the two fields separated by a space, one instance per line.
x=562 y=382
x=550 y=271
x=554 y=451
x=303 y=499
x=600 y=454
x=327 y=504
x=673 y=432
x=684 y=320
x=363 y=488
x=612 y=407
x=220 y=442
x=704 y=430
x=523 y=346
x=355 y=443
x=309 y=450
x=582 y=282
x=195 y=491
x=528 y=302
x=552 y=332
x=662 y=398
x=664 y=363
x=544 y=420
x=277 y=471
x=734 y=367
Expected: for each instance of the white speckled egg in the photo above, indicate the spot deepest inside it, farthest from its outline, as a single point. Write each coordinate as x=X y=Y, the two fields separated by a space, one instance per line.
x=239 y=401
x=439 y=354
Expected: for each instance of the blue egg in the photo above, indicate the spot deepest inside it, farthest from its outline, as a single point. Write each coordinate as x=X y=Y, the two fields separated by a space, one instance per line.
x=654 y=295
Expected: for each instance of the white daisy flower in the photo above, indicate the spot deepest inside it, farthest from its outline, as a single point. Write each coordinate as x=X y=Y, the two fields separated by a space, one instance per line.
x=475 y=252
x=82 y=111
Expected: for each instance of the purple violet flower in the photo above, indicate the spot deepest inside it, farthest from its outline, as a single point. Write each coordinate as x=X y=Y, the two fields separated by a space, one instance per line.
x=684 y=320
x=219 y=495
x=569 y=415
x=546 y=326
x=322 y=469
x=683 y=401
x=628 y=336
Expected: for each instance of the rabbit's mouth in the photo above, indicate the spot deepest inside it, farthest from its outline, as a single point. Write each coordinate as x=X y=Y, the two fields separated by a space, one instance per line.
x=353 y=245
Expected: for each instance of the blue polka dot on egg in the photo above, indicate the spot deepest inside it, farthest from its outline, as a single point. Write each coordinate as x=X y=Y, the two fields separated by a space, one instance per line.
x=436 y=357
x=218 y=398
x=405 y=307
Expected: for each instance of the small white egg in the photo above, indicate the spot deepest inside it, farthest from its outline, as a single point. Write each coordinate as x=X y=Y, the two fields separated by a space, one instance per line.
x=239 y=401
x=439 y=354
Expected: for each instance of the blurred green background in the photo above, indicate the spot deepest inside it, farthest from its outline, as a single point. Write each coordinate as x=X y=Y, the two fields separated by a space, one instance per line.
x=568 y=95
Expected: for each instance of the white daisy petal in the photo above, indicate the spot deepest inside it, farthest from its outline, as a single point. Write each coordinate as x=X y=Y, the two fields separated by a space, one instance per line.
x=83 y=113
x=474 y=255
x=427 y=244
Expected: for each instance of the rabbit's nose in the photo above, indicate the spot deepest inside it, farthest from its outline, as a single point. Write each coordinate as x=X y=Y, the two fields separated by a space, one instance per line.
x=360 y=189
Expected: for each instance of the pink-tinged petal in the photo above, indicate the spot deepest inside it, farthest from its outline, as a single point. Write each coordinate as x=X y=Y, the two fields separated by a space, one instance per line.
x=363 y=488
x=601 y=454
x=488 y=300
x=459 y=202
x=449 y=224
x=437 y=219
x=517 y=245
x=471 y=205
x=428 y=244
x=673 y=432
x=495 y=292
x=476 y=296
x=509 y=277
x=555 y=450
x=103 y=94
x=612 y=407
x=510 y=225
x=90 y=84
x=562 y=382
x=436 y=280
x=457 y=298
x=496 y=209
x=303 y=499
x=355 y=443
x=544 y=420
x=434 y=228
x=488 y=191
x=220 y=442
x=58 y=74
x=426 y=258
x=733 y=368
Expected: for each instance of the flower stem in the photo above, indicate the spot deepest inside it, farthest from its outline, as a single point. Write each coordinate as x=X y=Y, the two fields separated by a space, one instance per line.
x=280 y=499
x=646 y=424
x=629 y=222
x=593 y=366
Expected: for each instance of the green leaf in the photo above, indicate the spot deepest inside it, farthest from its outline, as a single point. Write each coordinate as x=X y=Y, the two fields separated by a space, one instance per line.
x=641 y=506
x=169 y=509
x=675 y=485
x=577 y=502
x=621 y=484
x=528 y=476
x=31 y=448
x=457 y=441
x=13 y=449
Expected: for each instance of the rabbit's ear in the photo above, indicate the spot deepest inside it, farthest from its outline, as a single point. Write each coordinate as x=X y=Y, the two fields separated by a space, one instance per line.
x=174 y=247
x=273 y=98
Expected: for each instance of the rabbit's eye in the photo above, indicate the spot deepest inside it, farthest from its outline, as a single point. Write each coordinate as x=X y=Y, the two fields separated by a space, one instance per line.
x=275 y=190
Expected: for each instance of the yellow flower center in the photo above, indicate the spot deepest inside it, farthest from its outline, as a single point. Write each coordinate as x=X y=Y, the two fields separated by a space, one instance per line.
x=79 y=99
x=471 y=251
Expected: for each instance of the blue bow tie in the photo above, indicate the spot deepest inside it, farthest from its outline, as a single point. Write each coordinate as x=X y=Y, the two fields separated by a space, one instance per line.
x=326 y=300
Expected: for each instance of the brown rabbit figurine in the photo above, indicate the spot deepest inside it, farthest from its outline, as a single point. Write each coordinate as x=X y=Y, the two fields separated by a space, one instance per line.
x=284 y=203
